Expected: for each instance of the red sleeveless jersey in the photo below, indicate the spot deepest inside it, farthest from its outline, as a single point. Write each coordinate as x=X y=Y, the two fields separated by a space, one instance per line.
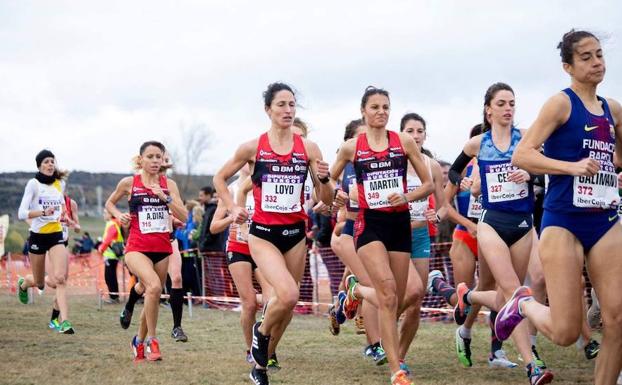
x=149 y=223
x=278 y=183
x=379 y=174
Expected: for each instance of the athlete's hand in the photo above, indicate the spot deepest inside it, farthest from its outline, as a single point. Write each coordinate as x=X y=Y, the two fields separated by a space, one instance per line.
x=396 y=199
x=157 y=190
x=430 y=215
x=239 y=214
x=125 y=218
x=472 y=229
x=586 y=167
x=466 y=183
x=340 y=199
x=321 y=208
x=48 y=211
x=518 y=176
x=322 y=169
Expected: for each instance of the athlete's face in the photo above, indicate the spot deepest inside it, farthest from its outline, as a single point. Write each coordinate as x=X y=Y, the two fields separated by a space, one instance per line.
x=151 y=159
x=501 y=109
x=588 y=62
x=282 y=111
x=376 y=111
x=48 y=166
x=416 y=130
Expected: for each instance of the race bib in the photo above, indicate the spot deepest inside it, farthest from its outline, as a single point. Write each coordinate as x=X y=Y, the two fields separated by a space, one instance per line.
x=502 y=190
x=598 y=191
x=153 y=219
x=380 y=184
x=417 y=209
x=281 y=193
x=353 y=187
x=51 y=201
x=475 y=207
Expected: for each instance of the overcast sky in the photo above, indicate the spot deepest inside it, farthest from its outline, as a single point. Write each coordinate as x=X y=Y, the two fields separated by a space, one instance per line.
x=92 y=80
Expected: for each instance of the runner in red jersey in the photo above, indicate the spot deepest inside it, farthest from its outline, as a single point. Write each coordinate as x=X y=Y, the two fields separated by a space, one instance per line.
x=382 y=229
x=151 y=196
x=280 y=161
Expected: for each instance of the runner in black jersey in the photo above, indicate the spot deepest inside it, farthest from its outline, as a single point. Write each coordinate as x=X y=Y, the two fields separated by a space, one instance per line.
x=382 y=230
x=280 y=161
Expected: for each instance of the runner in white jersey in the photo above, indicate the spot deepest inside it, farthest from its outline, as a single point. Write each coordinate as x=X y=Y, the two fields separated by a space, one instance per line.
x=43 y=203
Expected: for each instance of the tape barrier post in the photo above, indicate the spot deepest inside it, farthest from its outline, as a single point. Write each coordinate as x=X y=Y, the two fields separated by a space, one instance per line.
x=189 y=294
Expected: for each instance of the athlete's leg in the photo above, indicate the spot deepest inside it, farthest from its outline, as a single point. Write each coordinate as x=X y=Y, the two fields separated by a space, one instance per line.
x=605 y=268
x=509 y=267
x=389 y=274
x=58 y=264
x=176 y=299
x=242 y=274
x=562 y=259
x=151 y=277
x=412 y=303
x=37 y=278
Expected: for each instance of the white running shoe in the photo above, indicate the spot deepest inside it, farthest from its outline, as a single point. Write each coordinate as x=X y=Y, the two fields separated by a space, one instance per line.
x=619 y=379
x=593 y=313
x=500 y=360
x=431 y=277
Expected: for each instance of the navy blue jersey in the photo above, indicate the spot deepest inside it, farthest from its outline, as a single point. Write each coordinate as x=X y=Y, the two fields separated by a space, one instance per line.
x=349 y=180
x=584 y=135
x=494 y=168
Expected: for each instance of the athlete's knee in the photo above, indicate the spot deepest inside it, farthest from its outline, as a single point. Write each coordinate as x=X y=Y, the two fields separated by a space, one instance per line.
x=387 y=294
x=152 y=288
x=566 y=333
x=59 y=279
x=612 y=323
x=176 y=281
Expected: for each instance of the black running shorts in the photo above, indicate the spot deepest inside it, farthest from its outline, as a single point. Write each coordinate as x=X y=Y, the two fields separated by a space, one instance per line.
x=234 y=257
x=390 y=228
x=41 y=243
x=283 y=237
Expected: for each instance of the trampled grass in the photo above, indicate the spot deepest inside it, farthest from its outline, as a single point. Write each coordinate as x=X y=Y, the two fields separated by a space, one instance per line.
x=99 y=352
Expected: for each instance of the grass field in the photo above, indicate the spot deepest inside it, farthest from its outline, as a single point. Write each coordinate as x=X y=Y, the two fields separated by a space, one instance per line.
x=99 y=352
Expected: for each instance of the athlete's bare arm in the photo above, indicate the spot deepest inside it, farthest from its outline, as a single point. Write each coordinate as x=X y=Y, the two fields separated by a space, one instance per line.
x=616 y=112
x=416 y=160
x=318 y=169
x=177 y=207
x=220 y=220
x=527 y=155
x=442 y=206
x=123 y=189
x=244 y=154
x=344 y=155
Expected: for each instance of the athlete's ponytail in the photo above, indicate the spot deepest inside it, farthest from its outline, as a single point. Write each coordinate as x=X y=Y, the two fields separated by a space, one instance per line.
x=569 y=40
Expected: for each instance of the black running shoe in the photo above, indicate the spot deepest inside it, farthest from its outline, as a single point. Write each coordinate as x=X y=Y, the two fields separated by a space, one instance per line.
x=179 y=335
x=125 y=318
x=259 y=349
x=459 y=317
x=591 y=349
x=259 y=376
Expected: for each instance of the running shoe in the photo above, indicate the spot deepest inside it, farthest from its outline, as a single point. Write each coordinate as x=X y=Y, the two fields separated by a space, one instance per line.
x=619 y=382
x=21 y=293
x=401 y=378
x=591 y=349
x=536 y=357
x=333 y=324
x=66 y=328
x=138 y=349
x=249 y=357
x=463 y=349
x=404 y=367
x=351 y=304
x=378 y=355
x=538 y=376
x=367 y=352
x=341 y=298
x=259 y=349
x=461 y=310
x=125 y=318
x=593 y=313
x=153 y=350
x=273 y=364
x=509 y=316
x=54 y=324
x=500 y=360
x=434 y=274
x=360 y=324
x=179 y=335
x=259 y=376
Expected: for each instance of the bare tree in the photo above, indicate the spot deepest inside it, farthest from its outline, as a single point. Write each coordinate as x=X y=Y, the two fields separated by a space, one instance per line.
x=194 y=143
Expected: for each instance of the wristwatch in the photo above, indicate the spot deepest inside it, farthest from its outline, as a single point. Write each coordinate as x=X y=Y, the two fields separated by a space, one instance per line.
x=169 y=199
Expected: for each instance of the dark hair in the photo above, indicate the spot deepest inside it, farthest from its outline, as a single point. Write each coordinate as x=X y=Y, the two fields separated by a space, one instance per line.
x=443 y=163
x=208 y=190
x=273 y=89
x=411 y=116
x=154 y=143
x=371 y=90
x=569 y=40
x=476 y=130
x=490 y=94
x=351 y=128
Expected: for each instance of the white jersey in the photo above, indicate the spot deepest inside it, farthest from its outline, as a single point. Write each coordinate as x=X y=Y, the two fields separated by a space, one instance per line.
x=38 y=197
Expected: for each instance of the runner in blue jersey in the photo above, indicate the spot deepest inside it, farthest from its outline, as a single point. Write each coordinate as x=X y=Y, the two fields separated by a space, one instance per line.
x=580 y=131
x=505 y=225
